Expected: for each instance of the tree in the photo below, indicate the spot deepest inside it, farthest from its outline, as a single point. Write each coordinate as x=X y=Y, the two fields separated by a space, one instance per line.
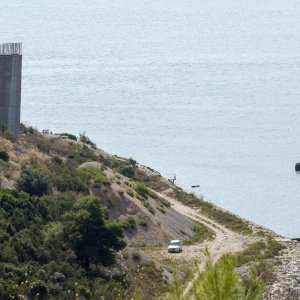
x=91 y=235
x=219 y=281
x=34 y=182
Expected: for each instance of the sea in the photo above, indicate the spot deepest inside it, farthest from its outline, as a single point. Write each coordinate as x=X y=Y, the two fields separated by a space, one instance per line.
x=207 y=90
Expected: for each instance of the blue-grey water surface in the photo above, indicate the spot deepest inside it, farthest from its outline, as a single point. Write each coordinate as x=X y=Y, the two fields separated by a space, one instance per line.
x=206 y=89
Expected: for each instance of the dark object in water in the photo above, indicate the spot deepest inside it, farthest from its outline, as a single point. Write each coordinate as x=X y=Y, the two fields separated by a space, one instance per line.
x=297 y=167
x=198 y=185
x=296 y=239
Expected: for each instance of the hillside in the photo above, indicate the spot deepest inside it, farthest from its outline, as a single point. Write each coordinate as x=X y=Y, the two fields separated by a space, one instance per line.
x=79 y=222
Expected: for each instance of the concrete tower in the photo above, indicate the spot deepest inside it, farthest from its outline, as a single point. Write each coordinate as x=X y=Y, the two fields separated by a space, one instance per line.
x=10 y=85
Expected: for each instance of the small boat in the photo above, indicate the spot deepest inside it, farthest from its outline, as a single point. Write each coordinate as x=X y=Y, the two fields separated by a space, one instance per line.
x=195 y=186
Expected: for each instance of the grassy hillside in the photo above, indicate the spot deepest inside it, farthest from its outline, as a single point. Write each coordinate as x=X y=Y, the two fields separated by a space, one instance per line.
x=67 y=209
x=78 y=223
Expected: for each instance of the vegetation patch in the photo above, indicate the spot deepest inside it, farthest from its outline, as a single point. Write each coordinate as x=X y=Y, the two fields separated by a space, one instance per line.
x=225 y=218
x=86 y=140
x=201 y=233
x=50 y=243
x=68 y=135
x=220 y=281
x=155 y=182
x=95 y=175
x=128 y=223
x=143 y=191
x=259 y=251
x=4 y=155
x=148 y=280
x=143 y=223
x=34 y=182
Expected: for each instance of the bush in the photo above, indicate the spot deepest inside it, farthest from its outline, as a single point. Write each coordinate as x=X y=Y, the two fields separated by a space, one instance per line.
x=126 y=170
x=34 y=182
x=136 y=256
x=56 y=160
x=128 y=223
x=93 y=237
x=70 y=182
x=86 y=140
x=219 y=281
x=143 y=223
x=9 y=135
x=142 y=190
x=201 y=233
x=121 y=192
x=130 y=193
x=4 y=155
x=68 y=135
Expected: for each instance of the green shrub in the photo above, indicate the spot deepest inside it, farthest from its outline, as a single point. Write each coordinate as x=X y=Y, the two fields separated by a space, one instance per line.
x=56 y=160
x=143 y=223
x=96 y=175
x=136 y=255
x=219 y=281
x=70 y=182
x=201 y=233
x=161 y=209
x=163 y=202
x=126 y=170
x=68 y=135
x=225 y=218
x=121 y=192
x=128 y=223
x=86 y=140
x=4 y=155
x=9 y=135
x=142 y=190
x=259 y=251
x=130 y=193
x=34 y=182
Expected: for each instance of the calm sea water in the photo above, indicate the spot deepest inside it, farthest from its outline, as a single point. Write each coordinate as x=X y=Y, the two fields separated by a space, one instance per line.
x=208 y=90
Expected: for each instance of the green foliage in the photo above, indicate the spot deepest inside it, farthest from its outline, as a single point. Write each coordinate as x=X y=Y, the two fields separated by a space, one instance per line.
x=229 y=220
x=126 y=167
x=4 y=155
x=155 y=182
x=34 y=182
x=70 y=182
x=127 y=170
x=8 y=135
x=259 y=251
x=147 y=280
x=56 y=160
x=68 y=135
x=161 y=209
x=201 y=233
x=142 y=190
x=86 y=140
x=94 y=175
x=97 y=244
x=136 y=255
x=143 y=223
x=81 y=154
x=219 y=281
x=51 y=242
x=128 y=223
x=130 y=193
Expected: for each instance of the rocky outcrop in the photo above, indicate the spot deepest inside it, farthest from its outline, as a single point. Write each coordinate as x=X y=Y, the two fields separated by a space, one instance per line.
x=286 y=285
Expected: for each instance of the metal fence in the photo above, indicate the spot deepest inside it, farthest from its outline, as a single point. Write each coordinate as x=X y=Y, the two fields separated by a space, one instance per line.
x=11 y=48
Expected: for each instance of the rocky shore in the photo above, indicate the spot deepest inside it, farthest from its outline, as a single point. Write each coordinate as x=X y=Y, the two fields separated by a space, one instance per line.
x=286 y=285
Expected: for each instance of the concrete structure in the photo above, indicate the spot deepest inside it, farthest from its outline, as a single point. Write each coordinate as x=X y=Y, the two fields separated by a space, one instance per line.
x=10 y=85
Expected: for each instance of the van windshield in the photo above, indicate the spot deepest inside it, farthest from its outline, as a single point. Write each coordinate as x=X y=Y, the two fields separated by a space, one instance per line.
x=174 y=243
